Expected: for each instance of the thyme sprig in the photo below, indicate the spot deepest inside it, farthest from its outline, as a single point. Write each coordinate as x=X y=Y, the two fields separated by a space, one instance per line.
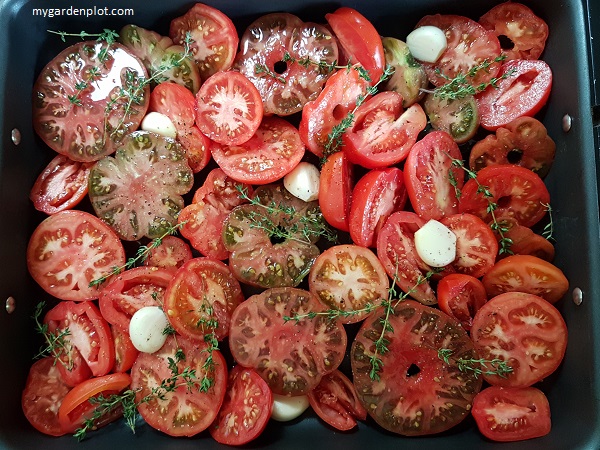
x=480 y=366
x=56 y=343
x=548 y=231
x=332 y=314
x=262 y=68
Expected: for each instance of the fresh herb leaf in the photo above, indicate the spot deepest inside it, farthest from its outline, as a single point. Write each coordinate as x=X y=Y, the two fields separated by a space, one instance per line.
x=480 y=366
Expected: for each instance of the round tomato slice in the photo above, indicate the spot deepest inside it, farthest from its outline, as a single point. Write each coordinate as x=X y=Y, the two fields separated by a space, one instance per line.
x=272 y=51
x=273 y=152
x=457 y=117
x=125 y=352
x=349 y=278
x=524 y=90
x=61 y=185
x=138 y=192
x=377 y=194
x=335 y=190
x=201 y=298
x=517 y=192
x=228 y=108
x=185 y=410
x=77 y=406
x=461 y=296
x=508 y=414
x=70 y=249
x=246 y=408
x=214 y=39
x=526 y=273
x=414 y=392
x=86 y=124
x=514 y=22
x=88 y=348
x=271 y=333
x=524 y=331
x=171 y=253
x=336 y=402
x=43 y=394
x=429 y=176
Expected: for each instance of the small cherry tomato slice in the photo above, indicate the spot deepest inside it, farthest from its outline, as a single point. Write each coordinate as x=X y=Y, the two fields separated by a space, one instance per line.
x=335 y=401
x=526 y=273
x=523 y=92
x=523 y=330
x=359 y=39
x=228 y=108
x=43 y=394
x=125 y=352
x=171 y=253
x=461 y=296
x=76 y=407
x=335 y=190
x=61 y=185
x=246 y=408
x=517 y=192
x=459 y=117
x=507 y=414
x=377 y=194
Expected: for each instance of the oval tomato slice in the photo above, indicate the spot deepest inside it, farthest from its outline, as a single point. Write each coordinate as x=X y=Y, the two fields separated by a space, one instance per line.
x=461 y=296
x=291 y=352
x=523 y=330
x=335 y=190
x=171 y=253
x=246 y=408
x=70 y=249
x=524 y=240
x=414 y=392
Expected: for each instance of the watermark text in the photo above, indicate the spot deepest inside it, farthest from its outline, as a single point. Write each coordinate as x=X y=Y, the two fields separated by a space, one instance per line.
x=84 y=12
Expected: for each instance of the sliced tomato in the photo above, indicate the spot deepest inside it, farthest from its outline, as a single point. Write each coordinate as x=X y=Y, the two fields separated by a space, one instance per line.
x=171 y=253
x=88 y=345
x=125 y=352
x=414 y=392
x=508 y=414
x=524 y=240
x=43 y=394
x=523 y=330
x=523 y=90
x=203 y=291
x=336 y=402
x=270 y=154
x=228 y=108
x=290 y=355
x=517 y=192
x=376 y=195
x=187 y=409
x=458 y=117
x=61 y=185
x=349 y=278
x=383 y=133
x=87 y=124
x=78 y=406
x=70 y=249
x=522 y=34
x=272 y=51
x=214 y=39
x=526 y=273
x=335 y=190
x=428 y=174
x=359 y=39
x=196 y=146
x=246 y=408
x=461 y=296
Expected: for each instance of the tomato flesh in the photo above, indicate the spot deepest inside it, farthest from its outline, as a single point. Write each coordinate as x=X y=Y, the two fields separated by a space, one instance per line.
x=461 y=296
x=335 y=190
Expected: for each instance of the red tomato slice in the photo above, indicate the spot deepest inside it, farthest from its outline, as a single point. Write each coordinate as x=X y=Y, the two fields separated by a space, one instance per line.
x=516 y=191
x=125 y=352
x=359 y=39
x=88 y=345
x=376 y=195
x=336 y=402
x=228 y=108
x=246 y=408
x=427 y=176
x=76 y=407
x=43 y=394
x=523 y=93
x=171 y=253
x=525 y=241
x=412 y=393
x=70 y=249
x=383 y=133
x=290 y=355
x=508 y=414
x=61 y=185
x=185 y=411
x=335 y=190
x=525 y=331
x=526 y=273
x=461 y=296
x=273 y=152
x=214 y=39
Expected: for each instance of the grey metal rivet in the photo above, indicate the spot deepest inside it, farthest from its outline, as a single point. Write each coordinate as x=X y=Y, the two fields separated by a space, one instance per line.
x=10 y=305
x=15 y=135
x=567 y=122
x=577 y=296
